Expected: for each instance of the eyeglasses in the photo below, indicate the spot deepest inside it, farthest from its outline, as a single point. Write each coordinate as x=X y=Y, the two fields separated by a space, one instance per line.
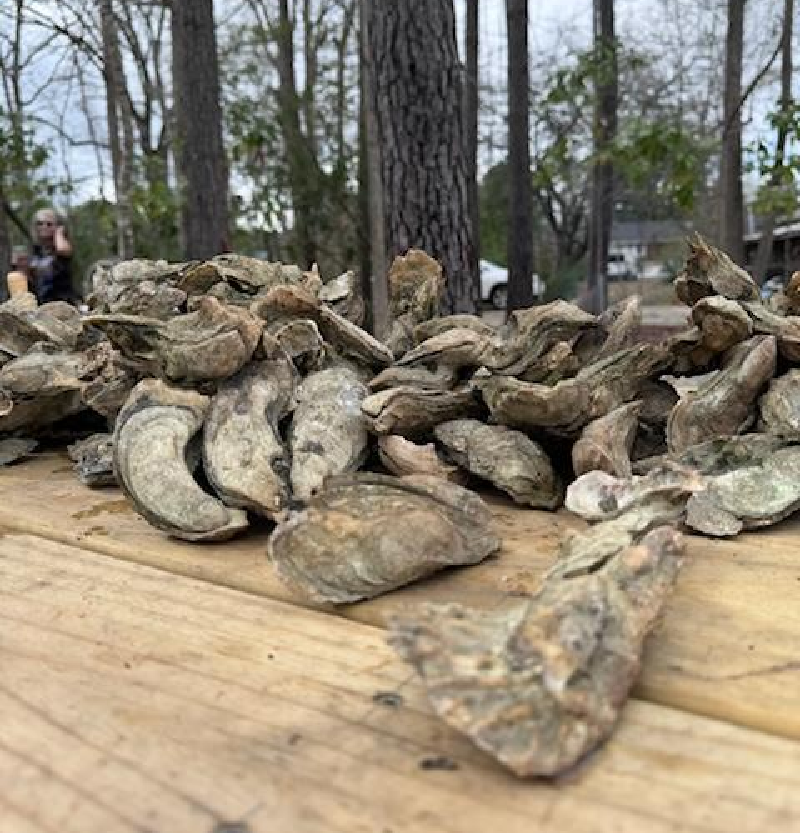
x=45 y=223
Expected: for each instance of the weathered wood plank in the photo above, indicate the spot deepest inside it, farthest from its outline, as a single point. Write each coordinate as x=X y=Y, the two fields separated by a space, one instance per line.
x=132 y=699
x=727 y=647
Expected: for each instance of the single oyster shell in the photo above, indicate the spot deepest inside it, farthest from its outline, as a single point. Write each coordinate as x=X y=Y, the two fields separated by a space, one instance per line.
x=436 y=326
x=415 y=412
x=658 y=398
x=244 y=458
x=540 y=683
x=151 y=439
x=749 y=497
x=94 y=460
x=780 y=406
x=723 y=323
x=598 y=496
x=709 y=271
x=506 y=458
x=622 y=323
x=416 y=288
x=455 y=348
x=402 y=457
x=606 y=443
x=329 y=433
x=785 y=328
x=437 y=378
x=214 y=342
x=724 y=406
x=14 y=449
x=302 y=341
x=367 y=534
x=716 y=456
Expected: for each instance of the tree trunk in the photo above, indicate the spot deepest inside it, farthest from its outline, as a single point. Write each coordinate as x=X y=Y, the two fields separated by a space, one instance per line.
x=202 y=168
x=605 y=128
x=416 y=99
x=300 y=159
x=731 y=196
x=375 y=262
x=471 y=104
x=778 y=175
x=5 y=253
x=121 y=151
x=520 y=207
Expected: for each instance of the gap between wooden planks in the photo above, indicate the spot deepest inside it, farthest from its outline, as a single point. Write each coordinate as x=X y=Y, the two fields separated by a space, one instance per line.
x=727 y=648
x=136 y=700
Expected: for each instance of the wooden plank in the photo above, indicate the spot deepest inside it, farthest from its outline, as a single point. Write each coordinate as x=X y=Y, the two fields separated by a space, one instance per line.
x=727 y=647
x=131 y=699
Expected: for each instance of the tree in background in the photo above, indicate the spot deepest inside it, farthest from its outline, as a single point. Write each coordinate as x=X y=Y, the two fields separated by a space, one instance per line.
x=777 y=198
x=520 y=228
x=416 y=95
x=605 y=128
x=731 y=197
x=202 y=168
x=471 y=109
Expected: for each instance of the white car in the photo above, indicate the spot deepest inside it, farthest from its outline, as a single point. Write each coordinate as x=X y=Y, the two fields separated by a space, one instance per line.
x=494 y=284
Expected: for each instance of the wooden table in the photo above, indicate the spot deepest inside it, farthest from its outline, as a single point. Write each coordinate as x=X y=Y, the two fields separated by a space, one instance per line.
x=153 y=686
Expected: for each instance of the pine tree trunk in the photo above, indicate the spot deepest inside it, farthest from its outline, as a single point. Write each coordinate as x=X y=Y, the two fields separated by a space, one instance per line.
x=202 y=168
x=416 y=98
x=764 y=250
x=471 y=105
x=520 y=210
x=605 y=128
x=731 y=196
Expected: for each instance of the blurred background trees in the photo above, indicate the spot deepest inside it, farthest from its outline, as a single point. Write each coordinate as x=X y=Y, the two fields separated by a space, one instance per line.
x=111 y=110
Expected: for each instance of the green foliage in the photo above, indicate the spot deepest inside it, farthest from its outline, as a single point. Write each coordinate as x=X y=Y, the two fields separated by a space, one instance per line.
x=564 y=282
x=778 y=193
x=493 y=199
x=93 y=234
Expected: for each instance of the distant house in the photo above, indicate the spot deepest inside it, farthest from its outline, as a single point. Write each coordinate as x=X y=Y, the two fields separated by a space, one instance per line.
x=784 y=256
x=651 y=248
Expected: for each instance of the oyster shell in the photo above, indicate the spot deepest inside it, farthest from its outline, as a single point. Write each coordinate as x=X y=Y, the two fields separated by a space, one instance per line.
x=748 y=497
x=94 y=460
x=606 y=443
x=367 y=534
x=438 y=377
x=302 y=341
x=454 y=348
x=22 y=327
x=243 y=455
x=785 y=328
x=329 y=432
x=411 y=411
x=13 y=449
x=151 y=439
x=723 y=323
x=288 y=302
x=780 y=406
x=214 y=342
x=598 y=496
x=658 y=398
x=402 y=457
x=463 y=321
x=716 y=456
x=416 y=288
x=506 y=458
x=622 y=323
x=540 y=683
x=725 y=405
x=710 y=271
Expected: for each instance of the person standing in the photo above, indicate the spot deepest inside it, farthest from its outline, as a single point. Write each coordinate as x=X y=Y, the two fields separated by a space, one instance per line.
x=49 y=268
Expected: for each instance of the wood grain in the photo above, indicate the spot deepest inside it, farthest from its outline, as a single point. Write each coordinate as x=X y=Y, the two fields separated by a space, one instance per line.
x=132 y=699
x=727 y=647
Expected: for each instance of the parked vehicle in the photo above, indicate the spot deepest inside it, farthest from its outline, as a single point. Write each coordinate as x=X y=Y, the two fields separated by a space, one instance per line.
x=494 y=284
x=770 y=287
x=619 y=270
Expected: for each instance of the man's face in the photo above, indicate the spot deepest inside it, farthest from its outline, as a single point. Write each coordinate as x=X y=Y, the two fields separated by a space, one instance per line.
x=45 y=225
x=20 y=260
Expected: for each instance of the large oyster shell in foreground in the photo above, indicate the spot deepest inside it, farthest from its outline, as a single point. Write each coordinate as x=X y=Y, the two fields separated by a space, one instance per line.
x=367 y=534
x=538 y=684
x=151 y=441
x=244 y=456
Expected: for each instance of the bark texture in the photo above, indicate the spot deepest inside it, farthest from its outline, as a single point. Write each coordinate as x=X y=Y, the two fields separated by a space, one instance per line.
x=605 y=128
x=202 y=167
x=415 y=94
x=731 y=196
x=520 y=220
x=471 y=104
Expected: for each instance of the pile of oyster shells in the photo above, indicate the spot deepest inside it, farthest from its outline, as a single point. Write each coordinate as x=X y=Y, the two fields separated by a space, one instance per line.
x=233 y=389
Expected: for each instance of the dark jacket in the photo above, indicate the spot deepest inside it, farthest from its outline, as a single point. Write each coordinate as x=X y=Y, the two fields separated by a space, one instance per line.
x=52 y=276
